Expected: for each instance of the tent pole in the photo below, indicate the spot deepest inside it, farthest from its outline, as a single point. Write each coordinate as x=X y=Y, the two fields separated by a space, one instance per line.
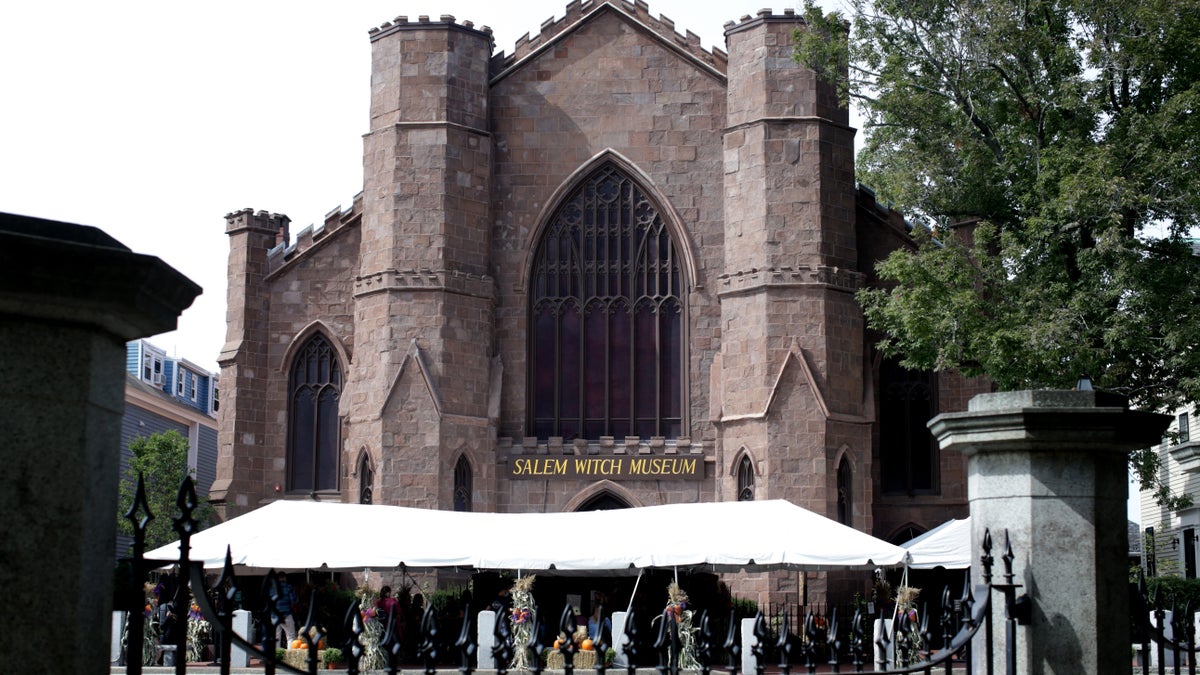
x=635 y=587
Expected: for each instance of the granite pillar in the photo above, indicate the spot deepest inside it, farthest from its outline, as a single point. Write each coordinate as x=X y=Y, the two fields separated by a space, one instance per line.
x=1049 y=469
x=70 y=298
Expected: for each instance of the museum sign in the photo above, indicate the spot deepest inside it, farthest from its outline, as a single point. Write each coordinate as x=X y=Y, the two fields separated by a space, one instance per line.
x=613 y=468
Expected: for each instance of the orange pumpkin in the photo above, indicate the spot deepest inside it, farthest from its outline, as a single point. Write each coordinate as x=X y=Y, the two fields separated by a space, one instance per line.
x=558 y=643
x=586 y=645
x=297 y=644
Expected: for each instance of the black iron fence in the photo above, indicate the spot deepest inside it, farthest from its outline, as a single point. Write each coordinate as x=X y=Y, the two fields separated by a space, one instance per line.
x=793 y=638
x=1164 y=632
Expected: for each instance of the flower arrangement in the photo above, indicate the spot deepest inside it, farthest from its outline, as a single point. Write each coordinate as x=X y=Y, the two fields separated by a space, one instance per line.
x=521 y=621
x=199 y=633
x=373 y=658
x=677 y=608
x=910 y=642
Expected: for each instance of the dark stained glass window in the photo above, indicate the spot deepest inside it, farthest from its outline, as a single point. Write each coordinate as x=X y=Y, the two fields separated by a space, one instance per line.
x=462 y=485
x=315 y=384
x=606 y=307
x=907 y=401
x=366 y=481
x=745 y=480
x=845 y=496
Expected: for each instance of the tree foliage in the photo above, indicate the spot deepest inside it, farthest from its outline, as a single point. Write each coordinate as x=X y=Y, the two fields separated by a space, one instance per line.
x=1051 y=147
x=162 y=461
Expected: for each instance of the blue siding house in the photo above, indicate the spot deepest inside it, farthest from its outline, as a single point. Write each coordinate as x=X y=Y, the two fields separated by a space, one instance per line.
x=164 y=393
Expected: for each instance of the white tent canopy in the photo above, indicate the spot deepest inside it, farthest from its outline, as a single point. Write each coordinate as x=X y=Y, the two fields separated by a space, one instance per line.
x=948 y=545
x=716 y=536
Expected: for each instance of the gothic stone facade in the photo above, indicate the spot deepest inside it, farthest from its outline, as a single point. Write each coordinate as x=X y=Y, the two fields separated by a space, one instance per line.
x=611 y=245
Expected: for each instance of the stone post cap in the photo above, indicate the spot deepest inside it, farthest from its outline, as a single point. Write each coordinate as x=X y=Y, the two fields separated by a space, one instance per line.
x=1046 y=398
x=79 y=274
x=1048 y=420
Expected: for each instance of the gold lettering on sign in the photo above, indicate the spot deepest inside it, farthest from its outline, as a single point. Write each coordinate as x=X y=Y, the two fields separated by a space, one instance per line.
x=531 y=468
x=618 y=468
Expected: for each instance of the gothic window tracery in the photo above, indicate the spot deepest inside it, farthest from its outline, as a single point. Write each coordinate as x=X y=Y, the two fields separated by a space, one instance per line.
x=745 y=476
x=462 y=484
x=314 y=388
x=606 y=317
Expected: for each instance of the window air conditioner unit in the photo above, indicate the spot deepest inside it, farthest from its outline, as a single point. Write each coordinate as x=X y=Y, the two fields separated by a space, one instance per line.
x=157 y=379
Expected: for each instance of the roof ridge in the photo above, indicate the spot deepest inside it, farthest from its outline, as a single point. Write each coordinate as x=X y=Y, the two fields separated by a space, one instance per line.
x=639 y=10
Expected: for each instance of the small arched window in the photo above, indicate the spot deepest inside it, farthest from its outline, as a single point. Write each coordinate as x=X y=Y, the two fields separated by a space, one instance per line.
x=606 y=316
x=845 y=496
x=314 y=387
x=745 y=475
x=366 y=481
x=462 y=484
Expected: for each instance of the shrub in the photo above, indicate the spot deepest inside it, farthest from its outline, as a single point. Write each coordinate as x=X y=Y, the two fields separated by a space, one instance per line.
x=1175 y=591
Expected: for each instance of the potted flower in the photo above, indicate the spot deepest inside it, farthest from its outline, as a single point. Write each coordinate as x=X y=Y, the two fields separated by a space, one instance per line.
x=332 y=656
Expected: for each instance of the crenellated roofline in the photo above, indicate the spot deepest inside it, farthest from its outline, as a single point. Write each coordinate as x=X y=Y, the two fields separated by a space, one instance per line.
x=579 y=12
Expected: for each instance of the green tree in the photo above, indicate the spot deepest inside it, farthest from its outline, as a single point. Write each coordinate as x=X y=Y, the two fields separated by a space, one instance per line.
x=162 y=461
x=1050 y=147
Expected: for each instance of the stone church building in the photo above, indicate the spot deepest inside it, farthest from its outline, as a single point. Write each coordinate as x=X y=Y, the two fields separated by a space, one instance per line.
x=608 y=269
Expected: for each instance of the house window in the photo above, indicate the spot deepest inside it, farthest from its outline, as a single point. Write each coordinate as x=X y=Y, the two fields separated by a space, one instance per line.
x=907 y=450
x=152 y=368
x=462 y=485
x=845 y=497
x=1184 y=431
x=178 y=381
x=606 y=315
x=193 y=385
x=745 y=477
x=216 y=397
x=314 y=386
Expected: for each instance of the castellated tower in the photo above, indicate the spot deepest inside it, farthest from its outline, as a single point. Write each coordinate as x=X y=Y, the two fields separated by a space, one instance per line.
x=417 y=396
x=242 y=452
x=790 y=369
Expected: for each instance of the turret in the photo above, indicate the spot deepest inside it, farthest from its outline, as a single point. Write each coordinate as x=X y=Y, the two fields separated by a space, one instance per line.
x=241 y=421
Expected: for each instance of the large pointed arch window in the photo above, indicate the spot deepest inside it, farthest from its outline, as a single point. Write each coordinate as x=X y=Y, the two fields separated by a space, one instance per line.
x=314 y=387
x=606 y=317
x=907 y=401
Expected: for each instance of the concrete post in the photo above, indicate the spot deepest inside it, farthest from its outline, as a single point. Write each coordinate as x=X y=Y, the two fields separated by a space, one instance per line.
x=1050 y=469
x=70 y=297
x=243 y=625
x=619 y=638
x=485 y=637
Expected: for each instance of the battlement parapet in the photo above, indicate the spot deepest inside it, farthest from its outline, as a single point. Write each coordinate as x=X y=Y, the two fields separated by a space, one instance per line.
x=884 y=211
x=263 y=222
x=285 y=252
x=423 y=22
x=762 y=16
x=579 y=10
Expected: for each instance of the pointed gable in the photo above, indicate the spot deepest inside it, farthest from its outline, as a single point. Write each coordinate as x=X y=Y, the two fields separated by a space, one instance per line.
x=636 y=14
